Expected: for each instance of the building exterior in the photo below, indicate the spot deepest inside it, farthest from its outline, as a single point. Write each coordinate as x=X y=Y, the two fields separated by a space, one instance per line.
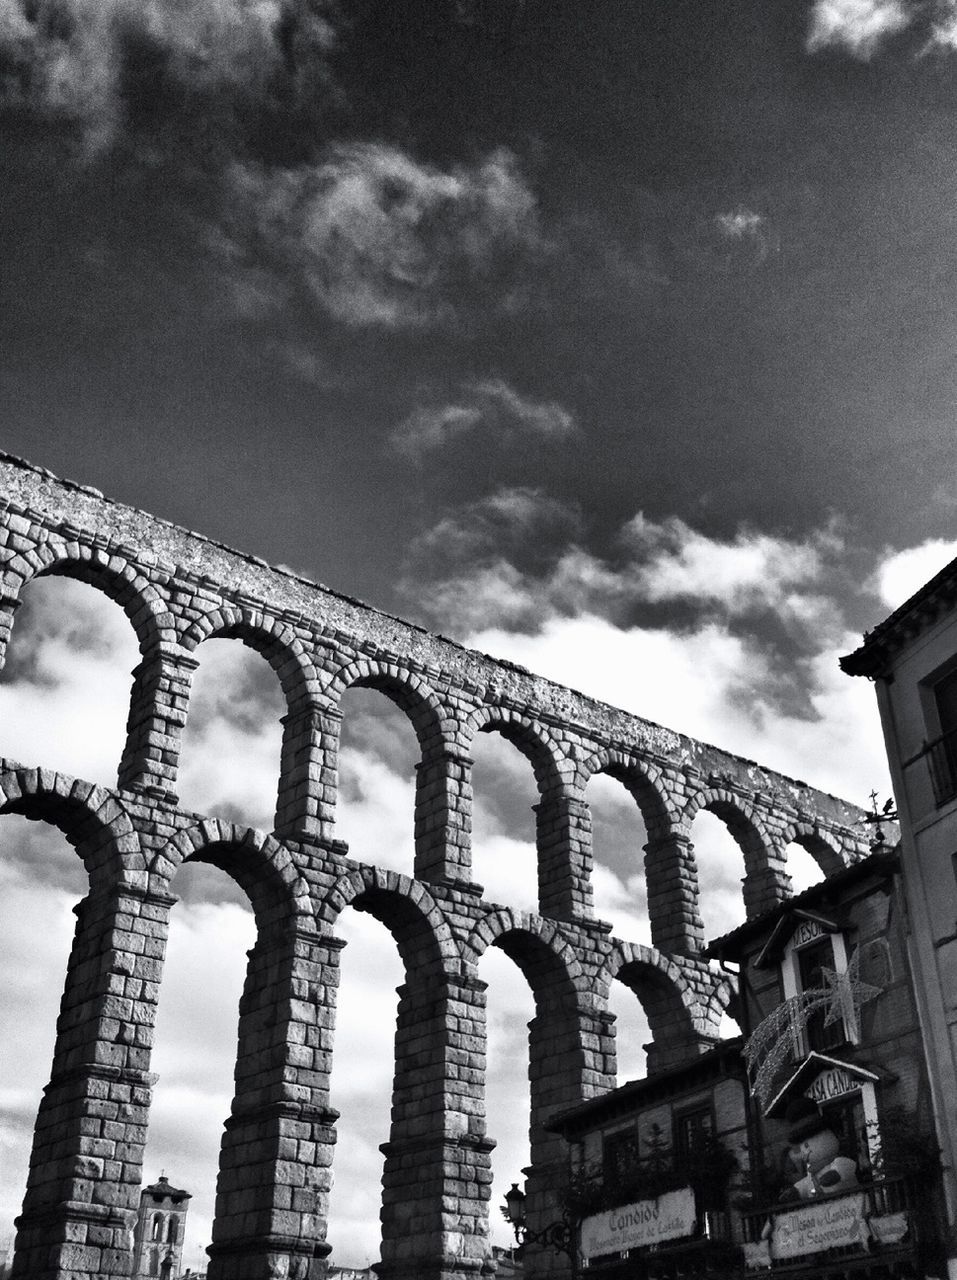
x=808 y=1150
x=160 y=1231
x=912 y=659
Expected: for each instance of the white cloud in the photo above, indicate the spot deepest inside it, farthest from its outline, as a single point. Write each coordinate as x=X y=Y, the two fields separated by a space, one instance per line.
x=856 y=26
x=739 y=223
x=489 y=406
x=901 y=573
x=378 y=239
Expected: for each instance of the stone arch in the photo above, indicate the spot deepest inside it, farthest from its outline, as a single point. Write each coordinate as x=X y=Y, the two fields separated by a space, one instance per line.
x=669 y=991
x=552 y=770
x=277 y=643
x=410 y=693
x=442 y=816
x=763 y=884
x=261 y=866
x=94 y=820
x=148 y=613
x=824 y=848
x=406 y=908
x=642 y=781
x=535 y=943
x=298 y=782
x=563 y=843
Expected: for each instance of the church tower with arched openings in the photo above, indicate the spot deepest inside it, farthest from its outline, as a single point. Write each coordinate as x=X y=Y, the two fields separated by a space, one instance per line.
x=160 y=1231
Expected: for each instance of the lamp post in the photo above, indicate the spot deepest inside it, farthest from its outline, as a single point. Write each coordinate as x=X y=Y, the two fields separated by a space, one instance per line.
x=559 y=1236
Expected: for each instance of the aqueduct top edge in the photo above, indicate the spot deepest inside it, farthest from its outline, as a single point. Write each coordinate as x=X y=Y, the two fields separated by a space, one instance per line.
x=153 y=543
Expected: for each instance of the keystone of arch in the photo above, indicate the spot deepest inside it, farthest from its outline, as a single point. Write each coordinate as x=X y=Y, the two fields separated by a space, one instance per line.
x=260 y=865
x=80 y=810
x=554 y=770
x=148 y=613
x=644 y=780
x=277 y=642
x=408 y=691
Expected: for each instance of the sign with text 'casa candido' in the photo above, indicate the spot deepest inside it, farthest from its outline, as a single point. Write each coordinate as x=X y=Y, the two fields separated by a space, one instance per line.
x=630 y=1226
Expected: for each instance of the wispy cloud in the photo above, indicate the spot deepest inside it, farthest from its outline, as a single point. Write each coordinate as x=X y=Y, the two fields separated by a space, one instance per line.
x=490 y=408
x=375 y=238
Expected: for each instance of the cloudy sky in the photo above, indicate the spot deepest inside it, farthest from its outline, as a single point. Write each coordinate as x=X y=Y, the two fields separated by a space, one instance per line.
x=614 y=339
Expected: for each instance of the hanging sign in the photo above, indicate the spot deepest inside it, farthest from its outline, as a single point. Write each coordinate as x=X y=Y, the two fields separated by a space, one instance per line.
x=669 y=1217
x=833 y=1083
x=814 y=1227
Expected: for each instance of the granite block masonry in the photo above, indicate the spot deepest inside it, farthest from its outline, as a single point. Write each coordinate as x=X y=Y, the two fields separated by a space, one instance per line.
x=179 y=589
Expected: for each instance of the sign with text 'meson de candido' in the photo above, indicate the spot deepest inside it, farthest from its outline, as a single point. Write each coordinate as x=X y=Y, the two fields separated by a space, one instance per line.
x=630 y=1226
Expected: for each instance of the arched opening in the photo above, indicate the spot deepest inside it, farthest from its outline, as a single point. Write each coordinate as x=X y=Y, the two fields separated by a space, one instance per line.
x=232 y=742
x=504 y=848
x=211 y=931
x=361 y=1084
x=803 y=867
x=618 y=875
x=551 y=1052
x=41 y=880
x=510 y=1007
x=721 y=871
x=66 y=684
x=378 y=755
x=632 y=1033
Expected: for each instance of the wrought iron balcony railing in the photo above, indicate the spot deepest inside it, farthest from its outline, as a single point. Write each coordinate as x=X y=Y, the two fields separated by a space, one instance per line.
x=941 y=756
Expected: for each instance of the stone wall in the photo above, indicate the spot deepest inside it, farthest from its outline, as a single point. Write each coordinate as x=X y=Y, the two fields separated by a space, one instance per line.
x=179 y=589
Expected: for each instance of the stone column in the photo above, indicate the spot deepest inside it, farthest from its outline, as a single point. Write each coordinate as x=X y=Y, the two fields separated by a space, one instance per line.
x=86 y=1165
x=767 y=884
x=562 y=1074
x=437 y=1178
x=276 y=1157
x=443 y=818
x=671 y=878
x=307 y=776
x=159 y=704
x=563 y=839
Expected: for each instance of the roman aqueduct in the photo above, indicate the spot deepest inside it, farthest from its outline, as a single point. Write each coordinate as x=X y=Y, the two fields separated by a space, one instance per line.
x=178 y=589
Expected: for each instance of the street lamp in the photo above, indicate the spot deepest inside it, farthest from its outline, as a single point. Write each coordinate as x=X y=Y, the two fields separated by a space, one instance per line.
x=559 y=1236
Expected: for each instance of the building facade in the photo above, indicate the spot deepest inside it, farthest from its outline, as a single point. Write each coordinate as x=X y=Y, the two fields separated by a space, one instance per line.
x=807 y=1148
x=912 y=659
x=160 y=1231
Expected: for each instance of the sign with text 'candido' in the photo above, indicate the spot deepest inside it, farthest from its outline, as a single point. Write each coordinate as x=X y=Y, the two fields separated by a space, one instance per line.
x=668 y=1217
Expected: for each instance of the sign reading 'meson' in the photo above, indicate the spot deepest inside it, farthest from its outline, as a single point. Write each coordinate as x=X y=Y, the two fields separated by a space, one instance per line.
x=669 y=1217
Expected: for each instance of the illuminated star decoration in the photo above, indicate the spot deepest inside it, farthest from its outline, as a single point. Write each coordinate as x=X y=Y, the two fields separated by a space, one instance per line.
x=847 y=993
x=775 y=1039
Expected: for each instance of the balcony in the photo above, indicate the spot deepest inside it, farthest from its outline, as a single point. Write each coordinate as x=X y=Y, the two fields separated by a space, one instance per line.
x=882 y=1229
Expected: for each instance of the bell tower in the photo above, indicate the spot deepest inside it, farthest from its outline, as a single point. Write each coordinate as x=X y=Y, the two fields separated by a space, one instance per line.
x=160 y=1231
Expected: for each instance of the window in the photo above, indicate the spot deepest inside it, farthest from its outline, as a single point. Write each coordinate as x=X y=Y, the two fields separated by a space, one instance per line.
x=811 y=961
x=171 y=1230
x=940 y=712
x=157 y=1227
x=620 y=1155
x=815 y=945
x=692 y=1129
